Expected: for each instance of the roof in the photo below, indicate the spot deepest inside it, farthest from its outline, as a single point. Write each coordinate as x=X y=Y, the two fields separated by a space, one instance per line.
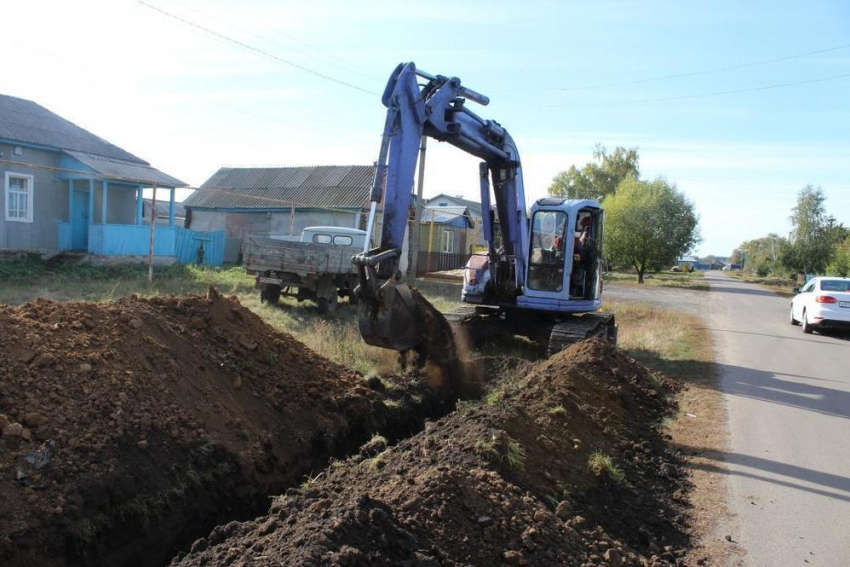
x=125 y=170
x=473 y=206
x=445 y=215
x=162 y=208
x=27 y=122
x=322 y=186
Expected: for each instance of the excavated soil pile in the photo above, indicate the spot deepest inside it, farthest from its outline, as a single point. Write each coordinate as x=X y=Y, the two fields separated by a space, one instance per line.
x=521 y=480
x=130 y=428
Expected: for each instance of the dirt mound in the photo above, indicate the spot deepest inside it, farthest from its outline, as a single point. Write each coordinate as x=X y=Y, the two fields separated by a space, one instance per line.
x=564 y=466
x=128 y=428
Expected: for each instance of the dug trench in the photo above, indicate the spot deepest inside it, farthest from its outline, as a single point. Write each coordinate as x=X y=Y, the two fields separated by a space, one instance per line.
x=130 y=429
x=563 y=465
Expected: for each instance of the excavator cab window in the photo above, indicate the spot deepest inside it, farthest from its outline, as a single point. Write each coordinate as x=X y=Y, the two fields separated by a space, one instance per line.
x=548 y=247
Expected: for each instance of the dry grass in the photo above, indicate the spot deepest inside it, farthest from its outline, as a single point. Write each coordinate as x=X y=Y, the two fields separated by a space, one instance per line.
x=680 y=345
x=681 y=280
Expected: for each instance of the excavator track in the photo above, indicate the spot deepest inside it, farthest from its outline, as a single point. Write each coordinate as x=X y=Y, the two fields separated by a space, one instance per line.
x=579 y=328
x=478 y=322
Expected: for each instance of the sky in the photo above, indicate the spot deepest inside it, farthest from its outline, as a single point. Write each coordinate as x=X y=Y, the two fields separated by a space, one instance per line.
x=740 y=104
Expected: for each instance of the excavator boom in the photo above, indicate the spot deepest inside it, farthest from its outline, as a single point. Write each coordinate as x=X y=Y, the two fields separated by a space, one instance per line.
x=390 y=314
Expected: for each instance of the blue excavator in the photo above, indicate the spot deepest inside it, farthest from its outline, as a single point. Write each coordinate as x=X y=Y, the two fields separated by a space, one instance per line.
x=540 y=276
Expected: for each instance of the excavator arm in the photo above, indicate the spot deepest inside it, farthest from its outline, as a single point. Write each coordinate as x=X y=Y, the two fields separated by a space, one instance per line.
x=390 y=314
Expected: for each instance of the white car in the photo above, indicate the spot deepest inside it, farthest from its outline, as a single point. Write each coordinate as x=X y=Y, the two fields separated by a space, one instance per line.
x=822 y=303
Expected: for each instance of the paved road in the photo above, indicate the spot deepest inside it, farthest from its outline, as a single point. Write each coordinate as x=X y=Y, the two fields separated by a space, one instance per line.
x=788 y=398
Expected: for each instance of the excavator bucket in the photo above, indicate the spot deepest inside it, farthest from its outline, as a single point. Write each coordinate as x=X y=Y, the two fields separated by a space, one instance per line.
x=392 y=320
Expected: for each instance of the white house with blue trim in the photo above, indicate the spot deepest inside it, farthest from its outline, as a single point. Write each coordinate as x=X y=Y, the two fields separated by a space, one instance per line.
x=66 y=189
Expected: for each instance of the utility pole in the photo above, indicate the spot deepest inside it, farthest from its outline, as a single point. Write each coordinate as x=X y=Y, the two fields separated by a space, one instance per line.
x=417 y=216
x=153 y=233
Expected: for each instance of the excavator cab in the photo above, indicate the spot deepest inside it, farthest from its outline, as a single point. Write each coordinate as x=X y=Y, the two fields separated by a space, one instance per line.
x=565 y=243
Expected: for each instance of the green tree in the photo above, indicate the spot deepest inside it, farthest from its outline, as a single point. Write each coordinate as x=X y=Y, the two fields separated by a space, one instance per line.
x=648 y=225
x=815 y=234
x=598 y=178
x=840 y=265
x=761 y=256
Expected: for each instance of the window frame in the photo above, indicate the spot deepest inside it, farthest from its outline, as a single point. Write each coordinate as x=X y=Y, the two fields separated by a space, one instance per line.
x=319 y=235
x=30 y=179
x=450 y=240
x=343 y=237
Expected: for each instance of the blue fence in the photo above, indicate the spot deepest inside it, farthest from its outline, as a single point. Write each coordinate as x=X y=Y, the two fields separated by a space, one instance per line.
x=187 y=246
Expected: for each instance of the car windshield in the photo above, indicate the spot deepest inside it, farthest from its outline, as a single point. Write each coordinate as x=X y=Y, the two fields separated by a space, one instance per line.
x=835 y=285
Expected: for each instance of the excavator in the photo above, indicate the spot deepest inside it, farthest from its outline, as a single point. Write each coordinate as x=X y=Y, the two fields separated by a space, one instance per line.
x=540 y=276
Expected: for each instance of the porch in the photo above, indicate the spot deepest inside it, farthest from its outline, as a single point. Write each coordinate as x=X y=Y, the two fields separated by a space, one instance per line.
x=105 y=213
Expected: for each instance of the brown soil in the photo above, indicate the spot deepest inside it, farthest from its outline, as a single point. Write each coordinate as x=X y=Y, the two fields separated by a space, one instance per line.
x=162 y=418
x=506 y=482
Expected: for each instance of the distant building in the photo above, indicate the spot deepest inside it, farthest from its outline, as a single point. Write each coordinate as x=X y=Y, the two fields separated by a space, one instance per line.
x=473 y=207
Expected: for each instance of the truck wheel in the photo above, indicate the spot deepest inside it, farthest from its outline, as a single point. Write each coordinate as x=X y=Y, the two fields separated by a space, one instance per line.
x=352 y=299
x=270 y=294
x=327 y=304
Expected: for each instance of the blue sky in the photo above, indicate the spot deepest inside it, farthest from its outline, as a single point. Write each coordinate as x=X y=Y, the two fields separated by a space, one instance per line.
x=558 y=75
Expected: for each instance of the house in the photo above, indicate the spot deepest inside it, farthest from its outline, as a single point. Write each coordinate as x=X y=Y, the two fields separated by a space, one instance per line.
x=474 y=208
x=279 y=201
x=163 y=212
x=66 y=189
x=446 y=237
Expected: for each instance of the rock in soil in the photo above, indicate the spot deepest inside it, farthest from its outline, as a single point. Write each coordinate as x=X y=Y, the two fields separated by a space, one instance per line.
x=165 y=417
x=484 y=485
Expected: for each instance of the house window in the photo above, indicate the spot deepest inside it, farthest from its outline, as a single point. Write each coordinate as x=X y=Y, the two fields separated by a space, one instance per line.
x=448 y=242
x=19 y=197
x=442 y=204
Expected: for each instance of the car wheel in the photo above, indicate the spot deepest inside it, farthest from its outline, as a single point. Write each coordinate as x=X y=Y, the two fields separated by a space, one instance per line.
x=806 y=327
x=791 y=317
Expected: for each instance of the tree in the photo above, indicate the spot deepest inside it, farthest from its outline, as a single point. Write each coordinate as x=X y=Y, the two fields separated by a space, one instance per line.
x=648 y=225
x=840 y=265
x=761 y=256
x=815 y=234
x=598 y=178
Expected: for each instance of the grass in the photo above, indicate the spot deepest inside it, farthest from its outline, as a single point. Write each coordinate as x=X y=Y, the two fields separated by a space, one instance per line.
x=558 y=410
x=514 y=454
x=681 y=280
x=601 y=464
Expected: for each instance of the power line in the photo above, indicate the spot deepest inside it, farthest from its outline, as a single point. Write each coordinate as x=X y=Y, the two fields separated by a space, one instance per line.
x=701 y=95
x=350 y=67
x=706 y=71
x=249 y=47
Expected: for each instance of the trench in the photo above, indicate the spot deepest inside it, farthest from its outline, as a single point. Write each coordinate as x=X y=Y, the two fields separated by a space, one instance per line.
x=182 y=505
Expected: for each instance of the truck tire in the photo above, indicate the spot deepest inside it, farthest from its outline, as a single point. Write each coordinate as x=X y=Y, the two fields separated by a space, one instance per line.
x=327 y=304
x=352 y=299
x=270 y=294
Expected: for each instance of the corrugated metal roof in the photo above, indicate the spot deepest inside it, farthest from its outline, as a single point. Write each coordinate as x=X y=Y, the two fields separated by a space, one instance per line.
x=25 y=121
x=126 y=171
x=473 y=206
x=323 y=186
x=162 y=209
x=445 y=215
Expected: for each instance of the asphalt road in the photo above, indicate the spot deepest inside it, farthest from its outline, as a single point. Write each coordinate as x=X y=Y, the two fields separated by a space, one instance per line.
x=788 y=397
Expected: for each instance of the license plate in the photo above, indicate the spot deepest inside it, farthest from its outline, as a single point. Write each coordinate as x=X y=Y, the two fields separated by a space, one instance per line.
x=273 y=281
x=844 y=303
